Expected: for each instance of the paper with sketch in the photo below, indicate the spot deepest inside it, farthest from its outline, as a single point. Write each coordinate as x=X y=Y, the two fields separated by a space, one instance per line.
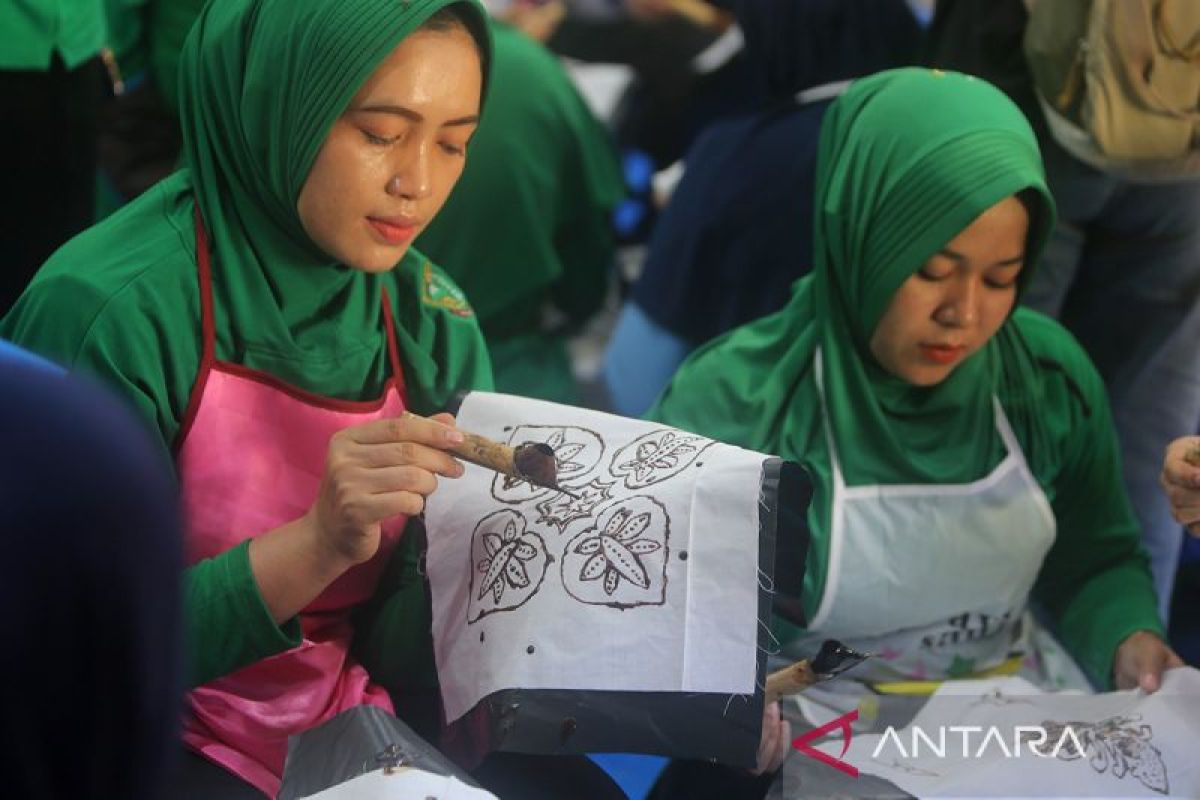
x=403 y=782
x=1007 y=738
x=646 y=581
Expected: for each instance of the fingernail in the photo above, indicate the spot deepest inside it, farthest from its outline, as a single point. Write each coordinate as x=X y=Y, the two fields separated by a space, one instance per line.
x=454 y=437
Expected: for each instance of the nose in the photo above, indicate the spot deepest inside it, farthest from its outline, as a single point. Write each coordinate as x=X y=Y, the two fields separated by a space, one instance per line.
x=960 y=306
x=411 y=179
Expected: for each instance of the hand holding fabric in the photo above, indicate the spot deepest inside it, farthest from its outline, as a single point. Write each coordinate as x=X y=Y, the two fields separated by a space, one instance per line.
x=1181 y=480
x=1141 y=660
x=776 y=738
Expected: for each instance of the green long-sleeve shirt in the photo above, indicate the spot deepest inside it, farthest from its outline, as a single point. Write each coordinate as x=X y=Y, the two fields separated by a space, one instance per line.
x=32 y=31
x=121 y=302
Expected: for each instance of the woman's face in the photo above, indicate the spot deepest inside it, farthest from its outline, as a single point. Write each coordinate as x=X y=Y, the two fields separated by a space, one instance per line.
x=957 y=301
x=392 y=158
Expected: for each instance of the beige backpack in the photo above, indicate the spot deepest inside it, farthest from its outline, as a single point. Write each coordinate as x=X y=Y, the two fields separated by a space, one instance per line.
x=1119 y=81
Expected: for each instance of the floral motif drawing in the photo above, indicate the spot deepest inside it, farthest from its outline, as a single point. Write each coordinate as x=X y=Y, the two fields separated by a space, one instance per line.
x=577 y=452
x=1120 y=745
x=621 y=559
x=560 y=510
x=656 y=456
x=508 y=564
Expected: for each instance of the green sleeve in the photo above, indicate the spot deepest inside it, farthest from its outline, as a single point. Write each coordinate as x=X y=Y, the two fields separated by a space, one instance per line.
x=227 y=624
x=119 y=303
x=1096 y=579
x=67 y=318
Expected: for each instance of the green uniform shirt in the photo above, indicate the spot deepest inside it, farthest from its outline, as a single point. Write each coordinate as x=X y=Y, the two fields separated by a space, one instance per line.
x=34 y=30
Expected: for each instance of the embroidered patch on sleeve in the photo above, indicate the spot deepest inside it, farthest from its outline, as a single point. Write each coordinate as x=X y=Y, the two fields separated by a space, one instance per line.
x=437 y=291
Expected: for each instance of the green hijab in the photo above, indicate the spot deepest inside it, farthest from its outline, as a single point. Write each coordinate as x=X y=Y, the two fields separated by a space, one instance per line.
x=261 y=84
x=908 y=158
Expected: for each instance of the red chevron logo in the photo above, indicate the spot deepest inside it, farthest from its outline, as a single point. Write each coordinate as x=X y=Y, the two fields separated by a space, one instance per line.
x=801 y=743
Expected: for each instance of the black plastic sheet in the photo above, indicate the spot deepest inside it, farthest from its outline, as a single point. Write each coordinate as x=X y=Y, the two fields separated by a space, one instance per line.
x=357 y=741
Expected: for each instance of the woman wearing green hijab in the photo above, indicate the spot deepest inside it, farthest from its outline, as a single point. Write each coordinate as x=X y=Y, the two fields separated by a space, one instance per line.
x=960 y=449
x=264 y=311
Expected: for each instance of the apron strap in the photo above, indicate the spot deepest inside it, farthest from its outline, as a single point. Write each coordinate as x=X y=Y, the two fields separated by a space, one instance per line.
x=207 y=329
x=393 y=348
x=204 y=271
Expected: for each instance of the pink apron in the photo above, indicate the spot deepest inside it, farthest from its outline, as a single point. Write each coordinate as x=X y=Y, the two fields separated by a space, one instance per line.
x=251 y=455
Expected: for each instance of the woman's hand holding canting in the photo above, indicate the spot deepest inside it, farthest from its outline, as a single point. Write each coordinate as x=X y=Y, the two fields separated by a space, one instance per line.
x=373 y=472
x=377 y=471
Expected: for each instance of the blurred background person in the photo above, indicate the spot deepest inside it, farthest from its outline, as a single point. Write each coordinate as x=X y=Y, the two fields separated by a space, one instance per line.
x=140 y=138
x=52 y=85
x=738 y=229
x=1122 y=271
x=90 y=586
x=527 y=232
x=687 y=59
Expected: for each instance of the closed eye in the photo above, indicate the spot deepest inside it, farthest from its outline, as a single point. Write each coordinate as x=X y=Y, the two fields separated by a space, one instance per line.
x=379 y=140
x=1005 y=277
x=932 y=277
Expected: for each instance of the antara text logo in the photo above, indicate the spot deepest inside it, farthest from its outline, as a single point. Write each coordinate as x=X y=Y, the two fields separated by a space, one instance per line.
x=972 y=741
x=977 y=741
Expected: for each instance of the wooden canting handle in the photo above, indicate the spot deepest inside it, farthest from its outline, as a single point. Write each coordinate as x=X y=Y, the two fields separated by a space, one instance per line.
x=790 y=680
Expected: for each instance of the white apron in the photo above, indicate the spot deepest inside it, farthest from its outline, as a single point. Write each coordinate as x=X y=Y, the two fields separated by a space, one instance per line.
x=934 y=579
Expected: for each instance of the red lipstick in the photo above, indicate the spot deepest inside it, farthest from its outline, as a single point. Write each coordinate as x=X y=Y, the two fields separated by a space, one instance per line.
x=394 y=231
x=942 y=353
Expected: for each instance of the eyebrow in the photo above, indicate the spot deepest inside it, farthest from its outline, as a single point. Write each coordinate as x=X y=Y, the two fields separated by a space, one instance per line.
x=956 y=256
x=409 y=114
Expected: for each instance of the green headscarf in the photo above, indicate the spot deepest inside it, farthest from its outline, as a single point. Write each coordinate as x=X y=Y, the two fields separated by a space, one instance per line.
x=908 y=158
x=261 y=84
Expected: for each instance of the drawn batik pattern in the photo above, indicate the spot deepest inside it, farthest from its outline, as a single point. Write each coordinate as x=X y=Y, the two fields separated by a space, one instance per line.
x=508 y=564
x=1120 y=746
x=560 y=509
x=656 y=457
x=621 y=559
x=577 y=452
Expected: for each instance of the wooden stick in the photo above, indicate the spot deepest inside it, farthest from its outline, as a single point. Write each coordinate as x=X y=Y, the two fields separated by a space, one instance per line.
x=487 y=453
x=790 y=680
x=533 y=463
x=831 y=660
